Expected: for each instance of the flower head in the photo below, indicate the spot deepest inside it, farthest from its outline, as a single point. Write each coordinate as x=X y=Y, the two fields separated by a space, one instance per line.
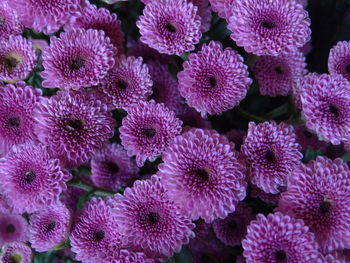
x=318 y=193
x=170 y=26
x=151 y=221
x=202 y=173
x=74 y=125
x=17 y=104
x=269 y=27
x=13 y=227
x=79 y=58
x=336 y=256
x=271 y=152
x=17 y=58
x=279 y=238
x=148 y=130
x=31 y=178
x=126 y=256
x=339 y=59
x=214 y=80
x=112 y=168
x=49 y=227
x=221 y=7
x=16 y=252
x=9 y=21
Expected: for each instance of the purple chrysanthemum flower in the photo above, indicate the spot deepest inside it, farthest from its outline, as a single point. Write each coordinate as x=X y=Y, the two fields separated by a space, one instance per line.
x=13 y=227
x=232 y=229
x=151 y=221
x=45 y=15
x=17 y=58
x=271 y=152
x=222 y=7
x=318 y=193
x=127 y=83
x=339 y=59
x=126 y=256
x=214 y=80
x=279 y=238
x=308 y=81
x=49 y=227
x=112 y=168
x=75 y=125
x=326 y=101
x=95 y=237
x=170 y=26
x=333 y=257
x=148 y=130
x=164 y=86
x=278 y=74
x=16 y=252
x=202 y=173
x=31 y=178
x=17 y=104
x=101 y=19
x=269 y=27
x=256 y=192
x=4 y=205
x=9 y=21
x=308 y=139
x=79 y=58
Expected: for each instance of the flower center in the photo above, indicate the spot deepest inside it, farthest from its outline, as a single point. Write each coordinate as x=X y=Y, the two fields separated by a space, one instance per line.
x=77 y=63
x=325 y=207
x=348 y=68
x=10 y=228
x=153 y=217
x=278 y=70
x=122 y=84
x=150 y=132
x=202 y=174
x=212 y=82
x=281 y=255
x=50 y=226
x=170 y=27
x=74 y=125
x=14 y=121
x=11 y=62
x=112 y=167
x=268 y=24
x=99 y=235
x=334 y=110
x=29 y=177
x=270 y=156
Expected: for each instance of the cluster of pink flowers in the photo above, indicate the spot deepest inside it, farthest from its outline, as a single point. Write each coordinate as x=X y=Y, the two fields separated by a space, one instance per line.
x=110 y=150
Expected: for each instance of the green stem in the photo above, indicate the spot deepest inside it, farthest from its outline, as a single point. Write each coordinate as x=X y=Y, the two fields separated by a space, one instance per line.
x=91 y=189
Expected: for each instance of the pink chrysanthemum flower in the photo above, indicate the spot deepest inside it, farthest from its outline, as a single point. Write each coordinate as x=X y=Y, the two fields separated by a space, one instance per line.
x=271 y=152
x=170 y=26
x=278 y=74
x=127 y=83
x=214 y=80
x=269 y=27
x=13 y=227
x=112 y=168
x=16 y=252
x=75 y=125
x=279 y=238
x=326 y=101
x=232 y=229
x=31 y=178
x=9 y=21
x=308 y=81
x=164 y=86
x=45 y=15
x=318 y=193
x=95 y=237
x=17 y=58
x=151 y=221
x=339 y=59
x=49 y=227
x=17 y=104
x=202 y=173
x=79 y=58
x=308 y=139
x=148 y=130
x=101 y=19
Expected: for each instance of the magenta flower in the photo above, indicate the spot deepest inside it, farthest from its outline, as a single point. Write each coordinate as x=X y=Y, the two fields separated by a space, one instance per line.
x=17 y=104
x=336 y=256
x=74 y=125
x=148 y=130
x=279 y=238
x=112 y=168
x=271 y=152
x=95 y=237
x=9 y=21
x=222 y=7
x=127 y=83
x=16 y=252
x=13 y=227
x=214 y=80
x=101 y=19
x=170 y=26
x=31 y=178
x=318 y=193
x=126 y=256
x=339 y=59
x=202 y=173
x=308 y=139
x=269 y=27
x=45 y=16
x=277 y=75
x=79 y=58
x=325 y=101
x=151 y=221
x=17 y=58
x=49 y=227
